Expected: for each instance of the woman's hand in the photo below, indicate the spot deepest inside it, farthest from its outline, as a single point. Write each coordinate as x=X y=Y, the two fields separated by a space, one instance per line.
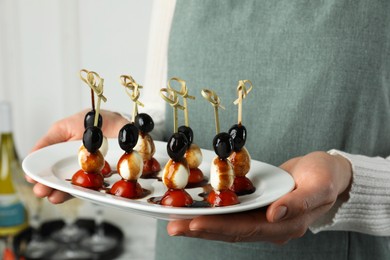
x=320 y=179
x=67 y=129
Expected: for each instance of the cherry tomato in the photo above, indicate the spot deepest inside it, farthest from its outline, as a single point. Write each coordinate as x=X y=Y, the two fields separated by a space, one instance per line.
x=106 y=171
x=196 y=175
x=84 y=179
x=223 y=198
x=151 y=167
x=127 y=189
x=176 y=198
x=242 y=185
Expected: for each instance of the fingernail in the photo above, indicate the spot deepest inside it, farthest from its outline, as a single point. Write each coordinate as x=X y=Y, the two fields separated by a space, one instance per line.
x=178 y=234
x=280 y=213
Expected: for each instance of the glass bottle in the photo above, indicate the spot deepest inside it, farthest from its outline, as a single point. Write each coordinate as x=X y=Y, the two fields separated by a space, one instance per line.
x=13 y=214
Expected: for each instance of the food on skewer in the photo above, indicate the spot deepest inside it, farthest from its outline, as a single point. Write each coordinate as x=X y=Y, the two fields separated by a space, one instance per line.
x=221 y=172
x=176 y=173
x=240 y=157
x=89 y=121
x=193 y=156
x=241 y=161
x=145 y=145
x=145 y=124
x=90 y=160
x=90 y=157
x=129 y=166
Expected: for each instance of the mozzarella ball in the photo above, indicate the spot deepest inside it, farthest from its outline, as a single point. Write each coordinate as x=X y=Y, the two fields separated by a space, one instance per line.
x=145 y=146
x=176 y=174
x=241 y=161
x=221 y=174
x=193 y=156
x=90 y=162
x=130 y=166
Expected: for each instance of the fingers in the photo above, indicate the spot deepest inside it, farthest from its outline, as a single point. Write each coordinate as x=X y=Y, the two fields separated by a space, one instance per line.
x=53 y=136
x=113 y=123
x=229 y=228
x=242 y=227
x=178 y=227
x=43 y=142
x=316 y=190
x=213 y=236
x=57 y=197
x=29 y=179
x=298 y=203
x=316 y=185
x=72 y=128
x=229 y=225
x=54 y=196
x=41 y=190
x=289 y=206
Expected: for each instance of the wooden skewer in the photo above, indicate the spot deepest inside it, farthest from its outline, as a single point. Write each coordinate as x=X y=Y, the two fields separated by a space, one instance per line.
x=173 y=101
x=130 y=85
x=84 y=78
x=212 y=97
x=184 y=93
x=96 y=83
x=242 y=91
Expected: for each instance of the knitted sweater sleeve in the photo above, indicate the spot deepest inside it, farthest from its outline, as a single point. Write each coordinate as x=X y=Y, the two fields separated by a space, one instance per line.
x=367 y=209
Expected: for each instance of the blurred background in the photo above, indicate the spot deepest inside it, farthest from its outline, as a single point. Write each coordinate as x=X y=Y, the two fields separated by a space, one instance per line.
x=43 y=46
x=45 y=43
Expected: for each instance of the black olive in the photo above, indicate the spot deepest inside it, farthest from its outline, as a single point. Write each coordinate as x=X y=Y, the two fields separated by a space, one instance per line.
x=92 y=138
x=187 y=131
x=177 y=146
x=128 y=137
x=223 y=145
x=144 y=122
x=238 y=133
x=89 y=119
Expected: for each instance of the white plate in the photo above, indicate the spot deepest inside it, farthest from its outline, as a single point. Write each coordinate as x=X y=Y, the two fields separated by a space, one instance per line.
x=53 y=165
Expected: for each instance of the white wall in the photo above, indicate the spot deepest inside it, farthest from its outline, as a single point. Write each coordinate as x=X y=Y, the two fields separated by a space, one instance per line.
x=44 y=44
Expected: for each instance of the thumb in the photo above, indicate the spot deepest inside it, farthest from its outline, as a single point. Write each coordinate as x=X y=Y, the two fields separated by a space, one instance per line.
x=296 y=203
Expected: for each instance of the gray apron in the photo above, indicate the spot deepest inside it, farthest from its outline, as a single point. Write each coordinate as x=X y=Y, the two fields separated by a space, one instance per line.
x=321 y=76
